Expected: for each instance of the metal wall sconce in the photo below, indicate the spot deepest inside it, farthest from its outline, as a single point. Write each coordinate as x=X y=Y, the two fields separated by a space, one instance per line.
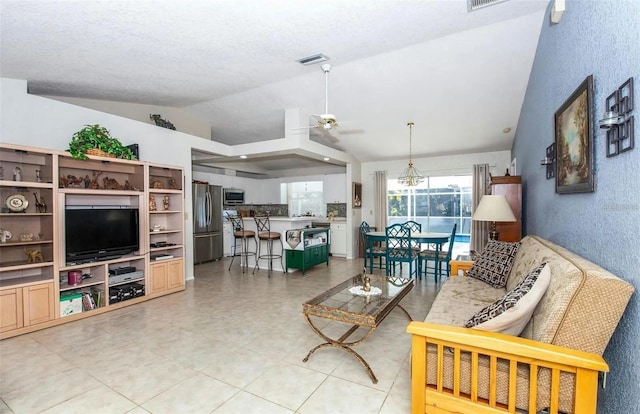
x=617 y=121
x=550 y=161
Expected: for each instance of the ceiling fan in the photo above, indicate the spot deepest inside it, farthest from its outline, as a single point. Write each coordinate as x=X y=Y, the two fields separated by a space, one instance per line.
x=326 y=120
x=326 y=123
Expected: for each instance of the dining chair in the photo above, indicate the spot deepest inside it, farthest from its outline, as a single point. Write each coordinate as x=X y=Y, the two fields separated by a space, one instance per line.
x=373 y=251
x=400 y=249
x=427 y=255
x=414 y=226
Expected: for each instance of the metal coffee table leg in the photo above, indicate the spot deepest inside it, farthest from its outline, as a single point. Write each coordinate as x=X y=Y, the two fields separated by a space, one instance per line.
x=341 y=344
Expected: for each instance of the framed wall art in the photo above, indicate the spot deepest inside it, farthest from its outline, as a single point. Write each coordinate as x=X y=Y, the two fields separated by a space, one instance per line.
x=357 y=195
x=574 y=141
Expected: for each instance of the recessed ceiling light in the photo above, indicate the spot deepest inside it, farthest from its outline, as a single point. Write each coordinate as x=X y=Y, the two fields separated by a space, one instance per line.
x=326 y=158
x=310 y=60
x=243 y=156
x=506 y=130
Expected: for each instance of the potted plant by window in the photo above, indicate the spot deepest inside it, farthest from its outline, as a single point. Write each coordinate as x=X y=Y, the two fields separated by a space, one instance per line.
x=96 y=140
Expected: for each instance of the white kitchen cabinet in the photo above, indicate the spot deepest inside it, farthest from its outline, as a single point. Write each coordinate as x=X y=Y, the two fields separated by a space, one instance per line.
x=338 y=239
x=270 y=191
x=335 y=188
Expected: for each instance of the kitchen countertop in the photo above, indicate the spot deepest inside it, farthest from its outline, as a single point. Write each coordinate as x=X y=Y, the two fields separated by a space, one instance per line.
x=283 y=218
x=304 y=218
x=326 y=220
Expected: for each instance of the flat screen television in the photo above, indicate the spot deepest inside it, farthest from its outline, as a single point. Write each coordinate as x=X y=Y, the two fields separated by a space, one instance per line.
x=99 y=233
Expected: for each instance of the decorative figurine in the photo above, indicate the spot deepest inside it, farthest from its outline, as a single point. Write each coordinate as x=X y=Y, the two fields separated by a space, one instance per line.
x=71 y=181
x=94 y=185
x=367 y=284
x=34 y=256
x=111 y=184
x=25 y=237
x=5 y=235
x=165 y=202
x=152 y=203
x=172 y=184
x=161 y=122
x=17 y=174
x=157 y=184
x=38 y=178
x=41 y=206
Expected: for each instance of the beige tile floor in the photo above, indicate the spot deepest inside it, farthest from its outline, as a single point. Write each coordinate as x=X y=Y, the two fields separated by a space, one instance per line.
x=230 y=343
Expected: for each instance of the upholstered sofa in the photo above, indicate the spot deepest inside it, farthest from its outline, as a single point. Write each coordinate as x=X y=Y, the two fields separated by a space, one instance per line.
x=553 y=365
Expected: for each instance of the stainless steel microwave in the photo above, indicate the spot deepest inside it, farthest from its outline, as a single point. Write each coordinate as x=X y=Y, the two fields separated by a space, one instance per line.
x=233 y=196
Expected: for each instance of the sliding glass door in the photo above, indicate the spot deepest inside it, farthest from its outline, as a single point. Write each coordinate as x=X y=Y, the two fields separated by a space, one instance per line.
x=437 y=204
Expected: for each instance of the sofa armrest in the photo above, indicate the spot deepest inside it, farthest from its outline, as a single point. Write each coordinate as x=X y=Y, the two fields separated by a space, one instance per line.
x=494 y=347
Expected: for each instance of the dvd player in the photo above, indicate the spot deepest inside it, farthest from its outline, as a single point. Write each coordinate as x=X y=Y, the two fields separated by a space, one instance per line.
x=121 y=270
x=113 y=279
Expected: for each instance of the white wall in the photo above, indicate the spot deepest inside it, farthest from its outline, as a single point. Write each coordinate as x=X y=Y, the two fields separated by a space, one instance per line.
x=182 y=120
x=432 y=166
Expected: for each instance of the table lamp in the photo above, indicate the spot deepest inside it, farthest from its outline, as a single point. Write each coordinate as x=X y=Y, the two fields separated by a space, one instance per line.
x=493 y=208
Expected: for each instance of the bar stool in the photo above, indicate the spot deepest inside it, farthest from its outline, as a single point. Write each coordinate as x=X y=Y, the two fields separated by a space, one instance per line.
x=265 y=234
x=239 y=233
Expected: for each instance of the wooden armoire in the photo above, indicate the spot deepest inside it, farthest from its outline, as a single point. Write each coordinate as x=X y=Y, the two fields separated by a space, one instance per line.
x=511 y=187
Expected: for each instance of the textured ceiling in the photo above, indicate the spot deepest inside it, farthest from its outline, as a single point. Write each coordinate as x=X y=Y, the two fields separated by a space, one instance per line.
x=461 y=77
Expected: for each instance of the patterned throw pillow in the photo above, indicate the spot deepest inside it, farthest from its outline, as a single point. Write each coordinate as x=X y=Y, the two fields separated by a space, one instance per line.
x=494 y=263
x=511 y=313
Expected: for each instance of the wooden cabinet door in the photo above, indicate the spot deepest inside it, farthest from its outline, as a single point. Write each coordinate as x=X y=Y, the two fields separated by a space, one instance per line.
x=158 y=277
x=510 y=187
x=175 y=274
x=11 y=316
x=38 y=303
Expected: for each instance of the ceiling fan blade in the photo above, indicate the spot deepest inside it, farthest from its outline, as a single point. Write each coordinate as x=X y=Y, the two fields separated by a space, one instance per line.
x=351 y=131
x=328 y=135
x=332 y=135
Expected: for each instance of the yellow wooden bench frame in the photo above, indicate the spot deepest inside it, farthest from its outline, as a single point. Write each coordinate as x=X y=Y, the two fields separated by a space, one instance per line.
x=437 y=399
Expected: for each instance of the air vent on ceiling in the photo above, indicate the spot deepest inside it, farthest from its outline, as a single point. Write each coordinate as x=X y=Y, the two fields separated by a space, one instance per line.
x=310 y=60
x=478 y=4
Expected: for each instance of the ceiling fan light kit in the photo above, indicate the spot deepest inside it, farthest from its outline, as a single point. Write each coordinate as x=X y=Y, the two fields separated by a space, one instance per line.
x=410 y=177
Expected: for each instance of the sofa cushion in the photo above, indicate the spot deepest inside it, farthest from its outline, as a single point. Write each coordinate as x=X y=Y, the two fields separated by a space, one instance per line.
x=511 y=313
x=459 y=298
x=493 y=265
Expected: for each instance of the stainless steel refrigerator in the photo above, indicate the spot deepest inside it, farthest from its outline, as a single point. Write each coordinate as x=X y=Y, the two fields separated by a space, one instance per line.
x=207 y=222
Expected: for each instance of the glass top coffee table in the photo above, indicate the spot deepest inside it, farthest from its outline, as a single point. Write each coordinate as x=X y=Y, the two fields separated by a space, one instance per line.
x=358 y=309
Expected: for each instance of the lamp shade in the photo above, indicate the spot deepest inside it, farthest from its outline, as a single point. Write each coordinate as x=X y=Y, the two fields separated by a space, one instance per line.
x=493 y=208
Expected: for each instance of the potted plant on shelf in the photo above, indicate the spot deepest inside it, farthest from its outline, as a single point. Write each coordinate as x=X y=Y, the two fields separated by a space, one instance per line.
x=96 y=140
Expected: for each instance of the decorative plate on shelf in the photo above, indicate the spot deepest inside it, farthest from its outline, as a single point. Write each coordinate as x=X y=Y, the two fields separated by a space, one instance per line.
x=17 y=203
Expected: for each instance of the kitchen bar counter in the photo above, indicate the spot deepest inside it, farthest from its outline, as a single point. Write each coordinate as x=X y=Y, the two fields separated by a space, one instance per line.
x=285 y=219
x=279 y=225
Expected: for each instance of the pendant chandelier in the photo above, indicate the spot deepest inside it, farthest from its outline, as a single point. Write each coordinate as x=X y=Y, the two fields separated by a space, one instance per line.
x=410 y=177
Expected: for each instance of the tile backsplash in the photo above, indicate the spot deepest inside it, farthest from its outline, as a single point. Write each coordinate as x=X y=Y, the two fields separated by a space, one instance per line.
x=282 y=210
x=274 y=210
x=340 y=209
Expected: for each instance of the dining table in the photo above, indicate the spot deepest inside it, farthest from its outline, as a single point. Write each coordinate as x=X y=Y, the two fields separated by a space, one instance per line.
x=437 y=239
